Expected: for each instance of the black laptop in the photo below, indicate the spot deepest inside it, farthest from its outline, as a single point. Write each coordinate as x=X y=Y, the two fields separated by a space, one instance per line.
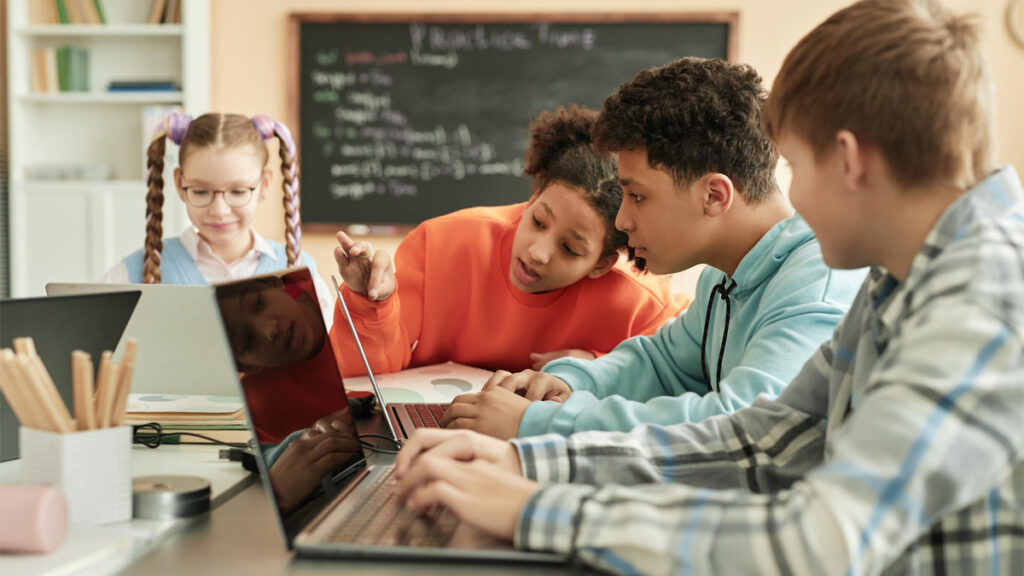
x=57 y=325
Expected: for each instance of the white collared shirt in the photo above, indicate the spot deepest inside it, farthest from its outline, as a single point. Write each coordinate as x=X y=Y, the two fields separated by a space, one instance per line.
x=215 y=270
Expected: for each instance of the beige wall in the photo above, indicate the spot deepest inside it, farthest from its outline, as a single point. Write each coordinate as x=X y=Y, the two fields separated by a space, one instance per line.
x=250 y=60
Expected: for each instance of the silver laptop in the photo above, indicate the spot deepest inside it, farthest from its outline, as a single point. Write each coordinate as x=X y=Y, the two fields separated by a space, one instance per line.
x=93 y=323
x=402 y=418
x=176 y=327
x=330 y=496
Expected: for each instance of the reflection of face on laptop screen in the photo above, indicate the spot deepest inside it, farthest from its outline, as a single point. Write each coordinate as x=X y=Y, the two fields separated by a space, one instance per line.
x=291 y=382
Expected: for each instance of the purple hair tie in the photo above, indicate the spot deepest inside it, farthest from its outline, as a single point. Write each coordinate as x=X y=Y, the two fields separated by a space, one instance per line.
x=174 y=125
x=269 y=128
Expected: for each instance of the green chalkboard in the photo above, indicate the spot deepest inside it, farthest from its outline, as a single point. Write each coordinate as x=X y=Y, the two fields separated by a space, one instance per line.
x=402 y=118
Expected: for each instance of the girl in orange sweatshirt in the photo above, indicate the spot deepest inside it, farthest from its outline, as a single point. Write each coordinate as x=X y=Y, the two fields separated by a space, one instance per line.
x=507 y=287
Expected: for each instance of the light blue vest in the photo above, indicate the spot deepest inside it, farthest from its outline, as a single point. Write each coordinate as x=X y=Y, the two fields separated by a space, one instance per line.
x=178 y=267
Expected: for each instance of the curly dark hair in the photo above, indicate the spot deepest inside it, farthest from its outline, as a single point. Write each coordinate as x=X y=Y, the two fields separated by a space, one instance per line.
x=561 y=150
x=694 y=116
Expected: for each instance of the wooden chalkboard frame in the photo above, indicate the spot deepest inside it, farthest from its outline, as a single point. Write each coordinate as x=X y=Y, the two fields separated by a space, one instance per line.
x=297 y=19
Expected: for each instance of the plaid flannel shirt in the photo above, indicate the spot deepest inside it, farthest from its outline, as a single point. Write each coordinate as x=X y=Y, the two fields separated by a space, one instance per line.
x=898 y=449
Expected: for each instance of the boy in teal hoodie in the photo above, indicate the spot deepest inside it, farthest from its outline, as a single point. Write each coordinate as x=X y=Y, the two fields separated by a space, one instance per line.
x=698 y=175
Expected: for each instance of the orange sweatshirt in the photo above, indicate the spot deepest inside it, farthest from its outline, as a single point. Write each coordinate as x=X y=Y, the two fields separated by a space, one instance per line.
x=454 y=301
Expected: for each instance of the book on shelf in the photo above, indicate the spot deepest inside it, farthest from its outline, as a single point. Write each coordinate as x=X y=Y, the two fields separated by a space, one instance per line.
x=142 y=86
x=49 y=12
x=59 y=69
x=43 y=12
x=164 y=12
x=156 y=11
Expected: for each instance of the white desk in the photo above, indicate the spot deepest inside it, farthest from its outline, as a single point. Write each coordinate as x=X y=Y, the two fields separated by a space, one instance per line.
x=151 y=547
x=109 y=548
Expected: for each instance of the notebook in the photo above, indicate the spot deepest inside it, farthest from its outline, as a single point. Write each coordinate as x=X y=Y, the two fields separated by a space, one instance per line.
x=93 y=323
x=171 y=323
x=402 y=418
x=330 y=497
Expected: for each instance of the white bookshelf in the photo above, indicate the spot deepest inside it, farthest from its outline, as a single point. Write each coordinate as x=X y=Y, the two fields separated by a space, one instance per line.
x=107 y=98
x=74 y=30
x=74 y=230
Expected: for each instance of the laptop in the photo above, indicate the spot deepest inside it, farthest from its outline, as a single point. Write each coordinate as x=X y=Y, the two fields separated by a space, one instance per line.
x=57 y=326
x=163 y=310
x=402 y=418
x=331 y=497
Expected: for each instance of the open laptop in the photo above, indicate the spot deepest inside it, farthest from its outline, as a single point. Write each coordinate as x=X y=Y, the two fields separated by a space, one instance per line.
x=402 y=418
x=171 y=323
x=57 y=326
x=329 y=496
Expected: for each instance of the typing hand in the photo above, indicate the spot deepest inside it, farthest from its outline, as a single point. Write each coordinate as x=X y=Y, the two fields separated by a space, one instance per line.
x=479 y=493
x=461 y=445
x=495 y=412
x=540 y=359
x=476 y=477
x=531 y=385
x=364 y=270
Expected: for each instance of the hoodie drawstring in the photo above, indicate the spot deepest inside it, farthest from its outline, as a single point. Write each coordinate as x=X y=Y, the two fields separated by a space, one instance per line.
x=724 y=291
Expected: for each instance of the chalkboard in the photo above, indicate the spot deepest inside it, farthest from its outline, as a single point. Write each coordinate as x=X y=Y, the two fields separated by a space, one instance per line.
x=401 y=118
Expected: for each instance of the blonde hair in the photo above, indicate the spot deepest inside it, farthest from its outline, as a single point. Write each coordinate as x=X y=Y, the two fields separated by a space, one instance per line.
x=224 y=131
x=905 y=76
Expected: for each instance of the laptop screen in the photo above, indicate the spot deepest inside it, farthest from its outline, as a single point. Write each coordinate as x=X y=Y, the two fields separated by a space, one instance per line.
x=57 y=326
x=292 y=389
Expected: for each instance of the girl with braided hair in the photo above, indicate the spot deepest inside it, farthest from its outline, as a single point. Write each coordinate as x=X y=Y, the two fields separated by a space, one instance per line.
x=508 y=287
x=222 y=179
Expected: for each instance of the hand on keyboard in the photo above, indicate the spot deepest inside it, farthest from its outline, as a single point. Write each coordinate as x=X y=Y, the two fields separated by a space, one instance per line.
x=476 y=477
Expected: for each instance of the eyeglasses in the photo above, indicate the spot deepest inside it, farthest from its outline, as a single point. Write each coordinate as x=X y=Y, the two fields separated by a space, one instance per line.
x=201 y=197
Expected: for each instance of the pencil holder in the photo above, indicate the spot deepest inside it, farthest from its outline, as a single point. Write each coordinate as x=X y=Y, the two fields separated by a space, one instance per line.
x=92 y=468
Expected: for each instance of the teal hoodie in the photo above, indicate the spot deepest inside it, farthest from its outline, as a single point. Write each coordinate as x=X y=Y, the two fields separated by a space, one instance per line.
x=785 y=302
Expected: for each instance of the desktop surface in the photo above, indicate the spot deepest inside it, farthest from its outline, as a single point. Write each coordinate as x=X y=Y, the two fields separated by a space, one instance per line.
x=241 y=537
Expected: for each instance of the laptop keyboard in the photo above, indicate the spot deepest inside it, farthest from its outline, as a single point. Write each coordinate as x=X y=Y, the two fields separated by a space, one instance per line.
x=426 y=415
x=381 y=520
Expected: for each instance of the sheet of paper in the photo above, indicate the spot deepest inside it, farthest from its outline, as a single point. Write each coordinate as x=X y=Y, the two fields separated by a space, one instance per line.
x=435 y=383
x=192 y=403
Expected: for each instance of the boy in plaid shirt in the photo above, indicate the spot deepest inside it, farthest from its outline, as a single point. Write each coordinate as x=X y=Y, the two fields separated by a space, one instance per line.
x=899 y=448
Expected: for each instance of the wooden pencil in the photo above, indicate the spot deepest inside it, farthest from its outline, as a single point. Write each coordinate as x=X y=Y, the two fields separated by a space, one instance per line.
x=104 y=388
x=47 y=388
x=11 y=389
x=50 y=413
x=88 y=377
x=22 y=385
x=82 y=381
x=24 y=346
x=124 y=382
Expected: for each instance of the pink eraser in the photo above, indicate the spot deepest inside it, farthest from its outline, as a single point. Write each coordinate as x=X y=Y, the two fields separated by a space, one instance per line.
x=33 y=518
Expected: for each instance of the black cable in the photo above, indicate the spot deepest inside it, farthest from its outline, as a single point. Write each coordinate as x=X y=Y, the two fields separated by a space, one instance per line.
x=151 y=435
x=373 y=447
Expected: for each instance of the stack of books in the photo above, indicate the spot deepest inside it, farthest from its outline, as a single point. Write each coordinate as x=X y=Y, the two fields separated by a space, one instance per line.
x=66 y=12
x=218 y=417
x=60 y=69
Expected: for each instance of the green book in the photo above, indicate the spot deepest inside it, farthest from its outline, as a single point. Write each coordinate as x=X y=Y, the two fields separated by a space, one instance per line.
x=99 y=10
x=62 y=12
x=78 y=69
x=63 y=74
